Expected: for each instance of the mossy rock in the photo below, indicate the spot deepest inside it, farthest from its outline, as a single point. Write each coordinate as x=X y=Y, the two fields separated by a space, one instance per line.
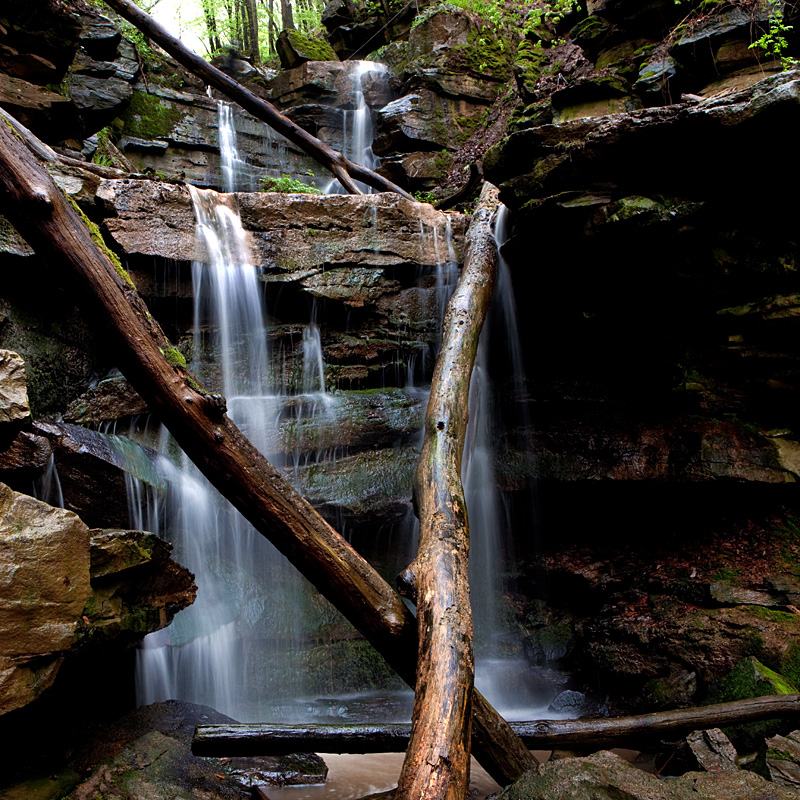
x=750 y=678
x=530 y=61
x=149 y=117
x=591 y=33
x=294 y=49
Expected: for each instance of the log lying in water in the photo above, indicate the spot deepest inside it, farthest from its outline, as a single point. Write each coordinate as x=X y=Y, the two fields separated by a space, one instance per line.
x=263 y=740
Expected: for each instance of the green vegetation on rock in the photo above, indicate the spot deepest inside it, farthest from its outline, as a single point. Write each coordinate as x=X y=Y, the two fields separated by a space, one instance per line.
x=286 y=184
x=148 y=118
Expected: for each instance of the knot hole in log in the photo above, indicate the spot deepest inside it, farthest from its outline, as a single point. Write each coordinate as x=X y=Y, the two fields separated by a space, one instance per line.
x=407 y=584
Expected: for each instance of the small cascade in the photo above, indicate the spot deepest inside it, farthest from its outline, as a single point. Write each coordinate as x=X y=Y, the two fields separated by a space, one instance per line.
x=502 y=673
x=48 y=487
x=234 y=170
x=358 y=131
x=234 y=649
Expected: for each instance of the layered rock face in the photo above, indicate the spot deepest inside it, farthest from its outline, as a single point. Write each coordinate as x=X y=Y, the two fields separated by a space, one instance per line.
x=659 y=338
x=64 y=587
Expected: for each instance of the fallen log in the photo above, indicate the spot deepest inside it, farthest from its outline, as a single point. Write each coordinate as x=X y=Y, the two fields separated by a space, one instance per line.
x=437 y=760
x=612 y=732
x=32 y=203
x=343 y=169
x=272 y=740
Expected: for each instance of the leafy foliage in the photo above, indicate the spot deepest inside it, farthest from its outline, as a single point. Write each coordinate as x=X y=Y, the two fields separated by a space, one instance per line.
x=288 y=185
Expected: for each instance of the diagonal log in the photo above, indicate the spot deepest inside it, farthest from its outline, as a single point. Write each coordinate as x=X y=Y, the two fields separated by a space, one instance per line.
x=343 y=169
x=228 y=739
x=39 y=211
x=437 y=760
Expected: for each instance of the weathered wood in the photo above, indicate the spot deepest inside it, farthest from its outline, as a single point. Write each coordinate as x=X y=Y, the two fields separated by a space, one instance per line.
x=344 y=169
x=33 y=204
x=546 y=734
x=46 y=153
x=268 y=740
x=243 y=739
x=437 y=761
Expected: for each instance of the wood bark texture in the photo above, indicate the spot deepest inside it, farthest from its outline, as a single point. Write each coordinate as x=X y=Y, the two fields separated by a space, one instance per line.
x=437 y=761
x=333 y=160
x=591 y=734
x=34 y=205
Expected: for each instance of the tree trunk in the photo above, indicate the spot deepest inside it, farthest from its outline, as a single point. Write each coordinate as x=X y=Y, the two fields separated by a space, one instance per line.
x=287 y=17
x=251 y=25
x=211 y=27
x=33 y=204
x=343 y=169
x=591 y=734
x=273 y=33
x=437 y=760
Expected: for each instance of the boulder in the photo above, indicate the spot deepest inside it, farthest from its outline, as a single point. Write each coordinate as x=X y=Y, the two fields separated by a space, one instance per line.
x=782 y=759
x=295 y=48
x=44 y=563
x=14 y=406
x=605 y=775
x=146 y=754
x=712 y=750
x=65 y=588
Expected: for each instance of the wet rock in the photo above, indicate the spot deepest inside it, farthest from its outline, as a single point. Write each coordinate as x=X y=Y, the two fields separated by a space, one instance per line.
x=147 y=754
x=713 y=750
x=606 y=775
x=14 y=406
x=750 y=678
x=136 y=588
x=92 y=465
x=362 y=488
x=66 y=588
x=28 y=455
x=782 y=759
x=110 y=400
x=722 y=120
x=290 y=233
x=44 y=558
x=37 y=108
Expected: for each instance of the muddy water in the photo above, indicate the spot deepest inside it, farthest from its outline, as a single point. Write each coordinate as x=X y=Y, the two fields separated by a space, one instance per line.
x=354 y=776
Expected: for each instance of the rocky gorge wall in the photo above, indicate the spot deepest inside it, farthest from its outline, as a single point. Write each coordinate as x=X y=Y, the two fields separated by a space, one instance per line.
x=653 y=258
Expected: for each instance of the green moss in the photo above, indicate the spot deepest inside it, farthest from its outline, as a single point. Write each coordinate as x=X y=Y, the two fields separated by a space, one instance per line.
x=174 y=357
x=147 y=118
x=750 y=678
x=487 y=52
x=311 y=48
x=97 y=238
x=790 y=663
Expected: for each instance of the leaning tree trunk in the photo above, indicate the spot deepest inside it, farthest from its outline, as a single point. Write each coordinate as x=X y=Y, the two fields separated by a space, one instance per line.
x=343 y=169
x=437 y=760
x=34 y=205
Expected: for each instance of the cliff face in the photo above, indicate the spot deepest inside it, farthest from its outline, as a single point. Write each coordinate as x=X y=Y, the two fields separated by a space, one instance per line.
x=653 y=260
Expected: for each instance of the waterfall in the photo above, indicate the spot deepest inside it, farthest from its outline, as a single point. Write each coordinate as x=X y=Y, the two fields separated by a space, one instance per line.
x=235 y=648
x=358 y=131
x=502 y=673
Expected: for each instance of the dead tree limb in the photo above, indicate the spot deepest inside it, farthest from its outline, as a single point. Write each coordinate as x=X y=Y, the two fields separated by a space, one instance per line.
x=32 y=203
x=437 y=760
x=273 y=740
x=566 y=733
x=343 y=169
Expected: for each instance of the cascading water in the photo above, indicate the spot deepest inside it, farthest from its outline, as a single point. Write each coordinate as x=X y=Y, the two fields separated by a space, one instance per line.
x=245 y=619
x=358 y=132
x=502 y=674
